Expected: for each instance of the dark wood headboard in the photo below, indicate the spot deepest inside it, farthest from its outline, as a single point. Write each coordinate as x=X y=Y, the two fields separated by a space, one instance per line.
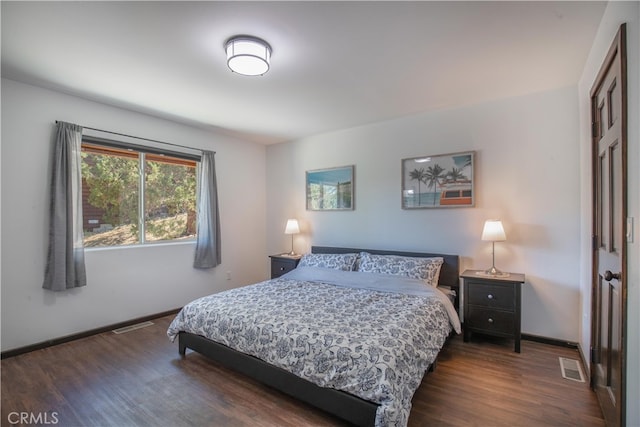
x=449 y=272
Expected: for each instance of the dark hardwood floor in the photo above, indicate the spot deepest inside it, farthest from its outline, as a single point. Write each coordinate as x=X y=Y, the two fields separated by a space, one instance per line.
x=138 y=379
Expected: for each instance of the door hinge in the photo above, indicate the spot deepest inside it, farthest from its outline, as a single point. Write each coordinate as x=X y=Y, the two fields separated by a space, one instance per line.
x=594 y=242
x=593 y=355
x=594 y=129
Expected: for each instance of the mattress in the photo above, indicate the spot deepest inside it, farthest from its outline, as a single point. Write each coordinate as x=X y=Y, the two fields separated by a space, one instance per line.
x=370 y=335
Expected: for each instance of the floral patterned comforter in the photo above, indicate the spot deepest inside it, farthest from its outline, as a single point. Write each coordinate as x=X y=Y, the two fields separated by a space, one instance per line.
x=328 y=327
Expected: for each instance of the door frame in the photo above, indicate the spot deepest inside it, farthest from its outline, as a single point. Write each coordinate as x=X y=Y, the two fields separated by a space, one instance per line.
x=617 y=52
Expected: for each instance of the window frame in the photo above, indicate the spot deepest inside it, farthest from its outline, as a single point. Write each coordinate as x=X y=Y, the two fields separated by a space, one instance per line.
x=102 y=146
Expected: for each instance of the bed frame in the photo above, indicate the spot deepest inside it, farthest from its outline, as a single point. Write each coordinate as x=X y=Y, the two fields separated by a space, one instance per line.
x=343 y=405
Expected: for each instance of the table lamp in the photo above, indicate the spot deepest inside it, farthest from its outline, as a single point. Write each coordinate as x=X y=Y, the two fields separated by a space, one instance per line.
x=493 y=232
x=292 y=228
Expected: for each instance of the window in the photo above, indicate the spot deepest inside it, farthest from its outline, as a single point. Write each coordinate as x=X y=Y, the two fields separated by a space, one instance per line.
x=135 y=196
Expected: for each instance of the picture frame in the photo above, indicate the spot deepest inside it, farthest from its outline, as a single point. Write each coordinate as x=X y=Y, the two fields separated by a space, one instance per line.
x=439 y=181
x=330 y=189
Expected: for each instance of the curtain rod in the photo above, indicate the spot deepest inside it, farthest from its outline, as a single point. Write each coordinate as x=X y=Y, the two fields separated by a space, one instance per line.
x=143 y=139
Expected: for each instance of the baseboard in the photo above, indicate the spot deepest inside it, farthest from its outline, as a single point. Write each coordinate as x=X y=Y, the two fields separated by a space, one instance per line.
x=551 y=341
x=79 y=335
x=585 y=365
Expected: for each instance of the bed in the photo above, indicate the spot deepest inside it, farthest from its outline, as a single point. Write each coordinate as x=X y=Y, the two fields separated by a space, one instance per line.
x=345 y=341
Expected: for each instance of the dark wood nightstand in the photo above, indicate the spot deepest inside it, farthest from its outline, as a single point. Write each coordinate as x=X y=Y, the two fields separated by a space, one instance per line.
x=492 y=305
x=283 y=263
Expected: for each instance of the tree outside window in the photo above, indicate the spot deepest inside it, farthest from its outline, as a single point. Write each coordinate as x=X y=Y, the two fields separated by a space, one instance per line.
x=131 y=197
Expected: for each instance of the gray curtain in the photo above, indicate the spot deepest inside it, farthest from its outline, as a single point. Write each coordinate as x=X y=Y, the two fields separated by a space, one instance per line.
x=208 y=234
x=65 y=259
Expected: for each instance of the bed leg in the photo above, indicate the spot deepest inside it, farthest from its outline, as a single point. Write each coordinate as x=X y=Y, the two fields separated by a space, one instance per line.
x=182 y=348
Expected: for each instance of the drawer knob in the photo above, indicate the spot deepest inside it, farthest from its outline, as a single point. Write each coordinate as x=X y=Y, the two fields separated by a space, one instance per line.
x=281 y=268
x=490 y=296
x=490 y=320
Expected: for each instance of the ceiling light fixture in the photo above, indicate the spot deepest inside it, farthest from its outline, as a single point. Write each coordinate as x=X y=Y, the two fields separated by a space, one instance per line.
x=249 y=56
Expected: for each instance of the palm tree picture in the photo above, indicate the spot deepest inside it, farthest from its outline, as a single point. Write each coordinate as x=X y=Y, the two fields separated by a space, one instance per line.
x=447 y=179
x=435 y=173
x=417 y=175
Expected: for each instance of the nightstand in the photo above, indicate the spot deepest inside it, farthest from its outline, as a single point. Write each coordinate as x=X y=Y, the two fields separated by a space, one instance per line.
x=283 y=263
x=492 y=305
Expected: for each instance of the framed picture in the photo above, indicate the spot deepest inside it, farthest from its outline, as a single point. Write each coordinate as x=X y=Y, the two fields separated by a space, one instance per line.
x=330 y=189
x=441 y=181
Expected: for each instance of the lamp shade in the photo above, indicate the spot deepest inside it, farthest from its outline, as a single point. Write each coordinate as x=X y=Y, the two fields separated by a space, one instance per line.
x=292 y=227
x=249 y=56
x=493 y=231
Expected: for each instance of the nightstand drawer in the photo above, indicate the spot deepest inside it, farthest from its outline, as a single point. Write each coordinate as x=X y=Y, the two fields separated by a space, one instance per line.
x=278 y=268
x=283 y=263
x=494 y=296
x=489 y=320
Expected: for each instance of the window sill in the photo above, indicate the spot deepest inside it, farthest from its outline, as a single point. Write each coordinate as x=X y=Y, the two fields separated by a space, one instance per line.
x=146 y=245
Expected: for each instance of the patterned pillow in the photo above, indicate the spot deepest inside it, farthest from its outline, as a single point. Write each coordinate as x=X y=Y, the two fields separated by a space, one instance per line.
x=342 y=262
x=426 y=269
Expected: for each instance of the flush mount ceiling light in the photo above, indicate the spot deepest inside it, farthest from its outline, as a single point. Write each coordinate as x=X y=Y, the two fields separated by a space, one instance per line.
x=249 y=56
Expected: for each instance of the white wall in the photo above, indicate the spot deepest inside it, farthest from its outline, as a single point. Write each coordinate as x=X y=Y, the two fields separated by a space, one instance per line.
x=527 y=161
x=123 y=283
x=615 y=14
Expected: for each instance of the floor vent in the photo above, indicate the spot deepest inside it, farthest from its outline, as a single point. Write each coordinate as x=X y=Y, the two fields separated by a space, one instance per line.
x=571 y=369
x=132 y=327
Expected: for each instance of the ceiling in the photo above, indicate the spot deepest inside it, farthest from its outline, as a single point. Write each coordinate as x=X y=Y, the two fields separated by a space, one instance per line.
x=334 y=65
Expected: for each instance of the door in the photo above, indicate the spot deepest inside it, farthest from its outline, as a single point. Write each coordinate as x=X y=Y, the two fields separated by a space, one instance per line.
x=608 y=313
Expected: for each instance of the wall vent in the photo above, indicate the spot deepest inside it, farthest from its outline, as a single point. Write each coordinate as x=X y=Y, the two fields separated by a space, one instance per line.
x=130 y=328
x=571 y=369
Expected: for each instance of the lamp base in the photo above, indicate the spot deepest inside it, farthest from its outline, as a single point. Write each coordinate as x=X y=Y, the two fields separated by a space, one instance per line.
x=492 y=272
x=289 y=255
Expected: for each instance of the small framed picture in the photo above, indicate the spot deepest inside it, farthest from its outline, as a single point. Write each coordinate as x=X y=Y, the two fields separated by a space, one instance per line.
x=440 y=181
x=330 y=189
